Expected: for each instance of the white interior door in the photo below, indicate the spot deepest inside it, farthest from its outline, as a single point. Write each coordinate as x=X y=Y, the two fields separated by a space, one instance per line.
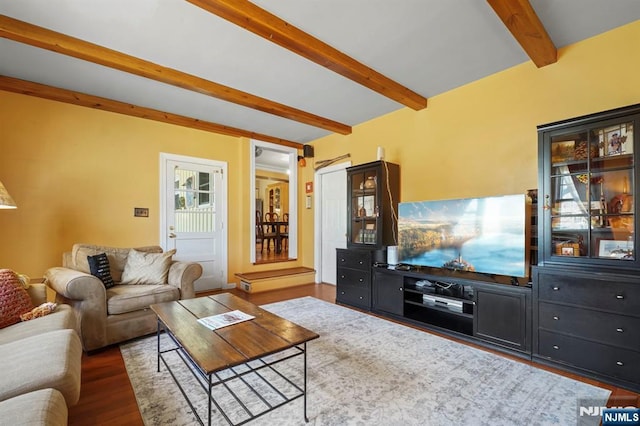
x=331 y=219
x=194 y=216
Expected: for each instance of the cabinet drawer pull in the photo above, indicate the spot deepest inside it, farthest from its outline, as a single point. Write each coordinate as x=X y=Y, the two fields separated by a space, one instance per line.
x=360 y=297
x=401 y=289
x=341 y=259
x=556 y=318
x=361 y=262
x=555 y=288
x=361 y=280
x=620 y=363
x=619 y=296
x=619 y=330
x=556 y=347
x=341 y=276
x=342 y=292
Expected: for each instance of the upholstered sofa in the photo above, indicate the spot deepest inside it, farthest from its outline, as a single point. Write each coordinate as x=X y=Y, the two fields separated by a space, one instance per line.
x=121 y=312
x=41 y=366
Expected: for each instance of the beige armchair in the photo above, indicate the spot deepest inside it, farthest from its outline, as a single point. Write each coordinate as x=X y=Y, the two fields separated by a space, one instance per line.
x=113 y=315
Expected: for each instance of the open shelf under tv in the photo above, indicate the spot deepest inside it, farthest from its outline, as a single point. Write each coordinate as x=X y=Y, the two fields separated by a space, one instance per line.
x=487 y=311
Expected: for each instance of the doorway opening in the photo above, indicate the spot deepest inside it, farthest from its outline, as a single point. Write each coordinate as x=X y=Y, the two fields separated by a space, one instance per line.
x=273 y=202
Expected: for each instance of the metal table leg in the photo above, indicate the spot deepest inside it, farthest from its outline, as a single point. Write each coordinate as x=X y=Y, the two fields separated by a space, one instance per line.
x=306 y=419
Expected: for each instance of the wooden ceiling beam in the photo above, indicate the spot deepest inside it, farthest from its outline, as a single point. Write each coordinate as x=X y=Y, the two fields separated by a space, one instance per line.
x=30 y=88
x=525 y=25
x=43 y=38
x=263 y=23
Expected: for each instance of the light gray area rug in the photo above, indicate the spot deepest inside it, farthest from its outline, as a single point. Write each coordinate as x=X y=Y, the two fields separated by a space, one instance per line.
x=365 y=370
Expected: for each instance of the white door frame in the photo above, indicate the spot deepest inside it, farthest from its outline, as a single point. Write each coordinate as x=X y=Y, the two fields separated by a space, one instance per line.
x=317 y=235
x=292 y=246
x=224 y=233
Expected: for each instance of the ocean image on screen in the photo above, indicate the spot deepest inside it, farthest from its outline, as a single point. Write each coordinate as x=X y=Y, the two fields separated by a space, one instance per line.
x=485 y=235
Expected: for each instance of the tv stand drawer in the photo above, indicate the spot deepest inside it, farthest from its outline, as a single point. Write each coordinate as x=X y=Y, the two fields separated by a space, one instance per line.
x=354 y=296
x=596 y=357
x=354 y=258
x=611 y=293
x=603 y=327
x=354 y=277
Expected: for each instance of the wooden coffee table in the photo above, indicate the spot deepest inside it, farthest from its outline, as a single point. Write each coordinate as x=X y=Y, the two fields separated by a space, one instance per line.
x=248 y=353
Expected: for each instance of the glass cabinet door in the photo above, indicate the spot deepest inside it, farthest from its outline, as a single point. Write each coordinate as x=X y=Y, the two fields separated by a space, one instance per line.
x=590 y=194
x=373 y=190
x=364 y=207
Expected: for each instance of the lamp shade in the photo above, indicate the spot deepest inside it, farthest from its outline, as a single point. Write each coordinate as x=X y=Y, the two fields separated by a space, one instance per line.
x=6 y=202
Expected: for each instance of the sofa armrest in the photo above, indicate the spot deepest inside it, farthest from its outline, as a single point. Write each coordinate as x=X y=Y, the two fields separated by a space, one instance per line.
x=37 y=293
x=182 y=276
x=75 y=285
x=88 y=297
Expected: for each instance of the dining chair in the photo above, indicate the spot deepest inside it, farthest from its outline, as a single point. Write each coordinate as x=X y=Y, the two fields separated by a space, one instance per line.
x=271 y=217
x=284 y=232
x=274 y=229
x=264 y=232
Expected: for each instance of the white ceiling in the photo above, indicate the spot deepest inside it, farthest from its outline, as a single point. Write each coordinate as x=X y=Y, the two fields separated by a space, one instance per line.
x=429 y=46
x=272 y=160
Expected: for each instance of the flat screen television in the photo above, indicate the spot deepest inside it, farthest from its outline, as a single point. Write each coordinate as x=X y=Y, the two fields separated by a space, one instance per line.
x=483 y=235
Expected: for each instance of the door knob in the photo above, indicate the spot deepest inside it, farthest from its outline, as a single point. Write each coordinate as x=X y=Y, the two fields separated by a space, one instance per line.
x=172 y=235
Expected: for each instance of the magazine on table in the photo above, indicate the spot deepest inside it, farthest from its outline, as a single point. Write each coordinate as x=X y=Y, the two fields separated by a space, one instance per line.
x=222 y=320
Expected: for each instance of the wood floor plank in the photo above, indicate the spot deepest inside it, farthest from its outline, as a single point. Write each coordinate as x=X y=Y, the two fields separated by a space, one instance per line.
x=107 y=397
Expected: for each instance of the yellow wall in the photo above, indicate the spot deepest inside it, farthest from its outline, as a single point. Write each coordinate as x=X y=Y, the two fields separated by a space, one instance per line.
x=480 y=139
x=77 y=173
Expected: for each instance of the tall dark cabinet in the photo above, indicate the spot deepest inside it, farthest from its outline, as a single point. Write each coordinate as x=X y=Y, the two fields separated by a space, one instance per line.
x=373 y=192
x=372 y=205
x=587 y=282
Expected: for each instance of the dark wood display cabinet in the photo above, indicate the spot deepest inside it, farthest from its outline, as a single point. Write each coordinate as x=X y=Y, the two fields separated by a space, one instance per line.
x=373 y=192
x=491 y=314
x=372 y=197
x=587 y=282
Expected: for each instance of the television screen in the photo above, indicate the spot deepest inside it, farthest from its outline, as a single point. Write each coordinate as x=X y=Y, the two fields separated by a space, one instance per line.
x=485 y=235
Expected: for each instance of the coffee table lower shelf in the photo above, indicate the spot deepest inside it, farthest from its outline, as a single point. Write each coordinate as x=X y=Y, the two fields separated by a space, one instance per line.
x=254 y=383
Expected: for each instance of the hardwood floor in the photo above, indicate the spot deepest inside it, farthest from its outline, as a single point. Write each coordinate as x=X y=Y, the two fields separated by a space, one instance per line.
x=107 y=397
x=270 y=256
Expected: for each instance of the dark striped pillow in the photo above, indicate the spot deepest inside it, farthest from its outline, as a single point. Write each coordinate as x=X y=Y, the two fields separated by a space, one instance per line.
x=99 y=266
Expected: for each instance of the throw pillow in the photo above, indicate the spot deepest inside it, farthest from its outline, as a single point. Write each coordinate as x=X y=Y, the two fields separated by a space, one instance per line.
x=14 y=299
x=99 y=267
x=147 y=268
x=39 y=311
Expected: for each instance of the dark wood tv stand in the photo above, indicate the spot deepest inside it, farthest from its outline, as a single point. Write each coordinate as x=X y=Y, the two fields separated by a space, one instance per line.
x=492 y=314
